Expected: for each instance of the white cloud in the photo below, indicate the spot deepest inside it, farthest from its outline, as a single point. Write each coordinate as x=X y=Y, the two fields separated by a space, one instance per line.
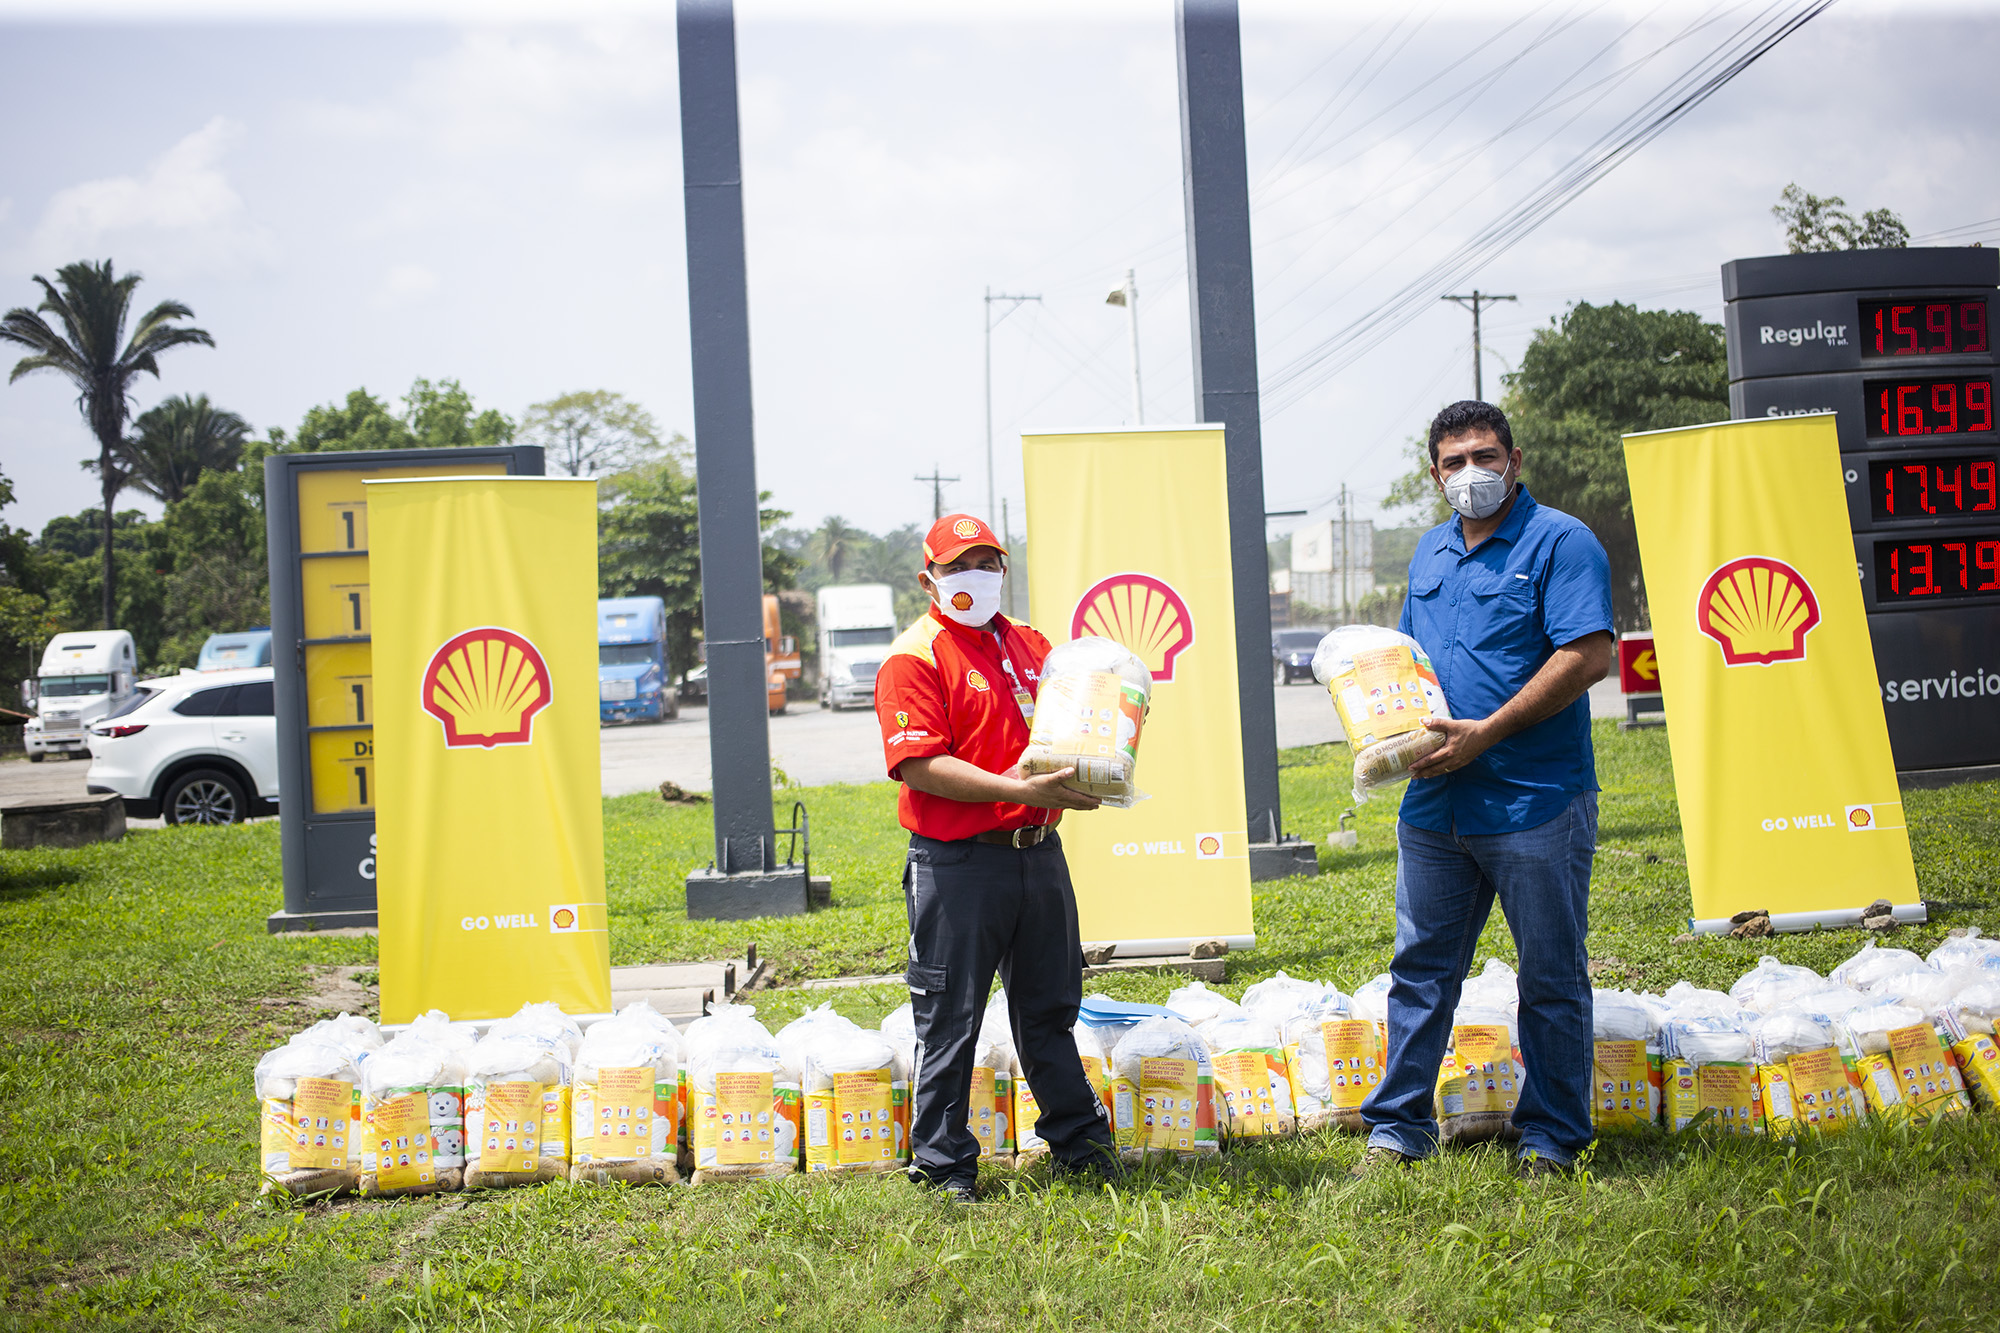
x=406 y=284
x=182 y=212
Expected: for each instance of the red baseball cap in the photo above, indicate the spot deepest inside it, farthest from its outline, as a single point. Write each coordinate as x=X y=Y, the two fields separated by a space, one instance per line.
x=955 y=534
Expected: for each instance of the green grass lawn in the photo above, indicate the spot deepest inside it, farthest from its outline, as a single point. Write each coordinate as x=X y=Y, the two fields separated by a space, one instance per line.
x=141 y=987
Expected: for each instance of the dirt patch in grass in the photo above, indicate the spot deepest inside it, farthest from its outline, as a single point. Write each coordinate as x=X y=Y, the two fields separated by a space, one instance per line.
x=331 y=988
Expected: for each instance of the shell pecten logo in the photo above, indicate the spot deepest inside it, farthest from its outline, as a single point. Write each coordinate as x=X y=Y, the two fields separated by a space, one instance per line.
x=485 y=686
x=1758 y=610
x=965 y=527
x=1143 y=613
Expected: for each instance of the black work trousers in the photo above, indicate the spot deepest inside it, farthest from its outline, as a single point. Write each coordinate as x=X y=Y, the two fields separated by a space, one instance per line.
x=975 y=909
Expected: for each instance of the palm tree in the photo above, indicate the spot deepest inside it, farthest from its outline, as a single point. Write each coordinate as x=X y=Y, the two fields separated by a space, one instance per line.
x=177 y=441
x=91 y=304
x=836 y=544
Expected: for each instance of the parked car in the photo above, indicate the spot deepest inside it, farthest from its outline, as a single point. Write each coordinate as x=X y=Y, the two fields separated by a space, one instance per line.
x=1292 y=654
x=197 y=748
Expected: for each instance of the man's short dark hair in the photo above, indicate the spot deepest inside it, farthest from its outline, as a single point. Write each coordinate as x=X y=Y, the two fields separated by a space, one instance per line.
x=1464 y=417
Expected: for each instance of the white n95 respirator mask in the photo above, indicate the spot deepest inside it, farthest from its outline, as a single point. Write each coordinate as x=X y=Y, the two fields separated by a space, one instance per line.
x=971 y=597
x=1476 y=492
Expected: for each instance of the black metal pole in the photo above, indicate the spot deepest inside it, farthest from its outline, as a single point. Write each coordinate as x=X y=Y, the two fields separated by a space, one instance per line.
x=1217 y=191
x=732 y=578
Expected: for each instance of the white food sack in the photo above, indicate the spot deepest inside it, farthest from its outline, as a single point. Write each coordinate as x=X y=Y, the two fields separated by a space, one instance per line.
x=413 y=1114
x=1195 y=1004
x=626 y=1101
x=1383 y=687
x=1871 y=965
x=309 y=1104
x=1163 y=1090
x=1088 y=713
x=743 y=1099
x=1771 y=985
x=517 y=1089
x=1253 y=1086
x=855 y=1107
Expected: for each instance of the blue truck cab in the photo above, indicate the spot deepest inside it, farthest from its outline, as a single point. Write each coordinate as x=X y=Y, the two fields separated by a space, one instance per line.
x=228 y=652
x=632 y=684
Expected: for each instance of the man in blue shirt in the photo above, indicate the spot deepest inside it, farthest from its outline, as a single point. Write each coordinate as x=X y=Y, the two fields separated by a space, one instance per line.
x=1512 y=600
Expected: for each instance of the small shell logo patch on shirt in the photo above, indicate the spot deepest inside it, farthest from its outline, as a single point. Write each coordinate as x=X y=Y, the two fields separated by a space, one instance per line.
x=961 y=601
x=965 y=527
x=1758 y=610
x=975 y=680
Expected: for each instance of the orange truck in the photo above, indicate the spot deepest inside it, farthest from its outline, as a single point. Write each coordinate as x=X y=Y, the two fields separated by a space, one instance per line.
x=781 y=656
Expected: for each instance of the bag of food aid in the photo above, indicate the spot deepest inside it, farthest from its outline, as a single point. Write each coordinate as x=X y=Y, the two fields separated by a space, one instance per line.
x=517 y=1092
x=1976 y=1010
x=1968 y=950
x=989 y=1110
x=1709 y=1068
x=309 y=1100
x=1771 y=985
x=1479 y=1080
x=413 y=1115
x=899 y=1028
x=1196 y=1005
x=1872 y=965
x=1248 y=1056
x=743 y=1099
x=1904 y=1059
x=1383 y=687
x=1091 y=707
x=852 y=1095
x=1803 y=1082
x=1163 y=1092
x=1624 y=1063
x=1275 y=999
x=625 y=1116
x=545 y=1021
x=1370 y=1001
x=1028 y=1141
x=1338 y=1058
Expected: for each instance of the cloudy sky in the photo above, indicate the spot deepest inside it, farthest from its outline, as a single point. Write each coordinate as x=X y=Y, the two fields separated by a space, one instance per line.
x=356 y=198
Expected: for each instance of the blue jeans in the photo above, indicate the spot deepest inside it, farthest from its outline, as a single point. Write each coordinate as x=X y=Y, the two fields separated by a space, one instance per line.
x=1445 y=886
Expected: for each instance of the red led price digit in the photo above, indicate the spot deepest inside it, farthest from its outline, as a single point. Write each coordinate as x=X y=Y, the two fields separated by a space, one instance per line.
x=1983 y=480
x=1955 y=488
x=1979 y=399
x=1909 y=415
x=1937 y=319
x=1972 y=322
x=1944 y=402
x=1896 y=569
x=1963 y=568
x=1988 y=558
x=1923 y=476
x=1898 y=323
x=1889 y=491
x=1922 y=570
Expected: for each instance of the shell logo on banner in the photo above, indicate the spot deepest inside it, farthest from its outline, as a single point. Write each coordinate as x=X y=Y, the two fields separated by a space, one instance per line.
x=1759 y=610
x=485 y=686
x=1141 y=612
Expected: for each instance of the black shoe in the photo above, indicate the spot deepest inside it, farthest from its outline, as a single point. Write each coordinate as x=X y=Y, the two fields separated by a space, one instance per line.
x=1533 y=1168
x=956 y=1191
x=1096 y=1171
x=1380 y=1159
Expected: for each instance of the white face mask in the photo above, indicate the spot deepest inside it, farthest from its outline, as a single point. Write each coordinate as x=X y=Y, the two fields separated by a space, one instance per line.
x=971 y=597
x=1476 y=492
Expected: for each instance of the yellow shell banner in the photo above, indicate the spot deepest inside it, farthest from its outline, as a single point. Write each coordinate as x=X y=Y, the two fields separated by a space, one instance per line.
x=1787 y=790
x=1128 y=538
x=489 y=827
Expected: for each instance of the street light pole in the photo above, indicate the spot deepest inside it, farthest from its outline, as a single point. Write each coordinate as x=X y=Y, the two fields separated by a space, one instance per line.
x=1015 y=303
x=1128 y=296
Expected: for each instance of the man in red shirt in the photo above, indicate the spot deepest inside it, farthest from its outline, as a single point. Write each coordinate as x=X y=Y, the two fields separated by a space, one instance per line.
x=986 y=885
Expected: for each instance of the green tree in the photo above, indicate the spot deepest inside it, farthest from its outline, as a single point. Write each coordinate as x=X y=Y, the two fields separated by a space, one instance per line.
x=649 y=545
x=72 y=547
x=835 y=543
x=438 y=415
x=595 y=430
x=92 y=304
x=441 y=416
x=363 y=421
x=176 y=442
x=217 y=579
x=1814 y=223
x=1598 y=373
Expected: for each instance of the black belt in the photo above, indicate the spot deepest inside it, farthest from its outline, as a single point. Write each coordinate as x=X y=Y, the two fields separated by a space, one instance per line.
x=1018 y=837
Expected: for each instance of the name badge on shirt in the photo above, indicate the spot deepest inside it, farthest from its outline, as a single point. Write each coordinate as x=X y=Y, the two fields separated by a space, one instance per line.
x=1027 y=703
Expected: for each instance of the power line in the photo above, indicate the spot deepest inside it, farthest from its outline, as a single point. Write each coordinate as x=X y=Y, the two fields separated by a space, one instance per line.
x=937 y=485
x=1475 y=300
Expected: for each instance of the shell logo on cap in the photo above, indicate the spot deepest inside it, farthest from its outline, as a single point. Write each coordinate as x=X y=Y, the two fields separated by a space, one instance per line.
x=1758 y=610
x=975 y=680
x=485 y=686
x=1141 y=612
x=965 y=527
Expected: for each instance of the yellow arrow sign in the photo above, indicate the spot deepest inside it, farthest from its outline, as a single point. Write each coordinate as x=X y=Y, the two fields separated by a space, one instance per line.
x=1644 y=666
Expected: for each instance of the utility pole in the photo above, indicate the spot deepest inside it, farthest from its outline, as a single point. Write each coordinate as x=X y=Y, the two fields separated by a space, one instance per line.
x=1014 y=303
x=1346 y=603
x=1128 y=296
x=1473 y=303
x=937 y=491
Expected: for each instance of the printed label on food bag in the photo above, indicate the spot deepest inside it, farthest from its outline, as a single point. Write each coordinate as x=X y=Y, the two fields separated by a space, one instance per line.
x=864 y=1128
x=1384 y=695
x=1353 y=1061
x=1255 y=1094
x=1979 y=1061
x=1485 y=1056
x=1822 y=1096
x=1176 y=1105
x=1730 y=1090
x=614 y=1119
x=740 y=1120
x=274 y=1138
x=1925 y=1075
x=1027 y=1114
x=981 y=1113
x=1621 y=1086
x=1683 y=1102
x=666 y=1117
x=555 y=1120
x=399 y=1136
x=322 y=1123
x=511 y=1127
x=1093 y=715
x=447 y=1115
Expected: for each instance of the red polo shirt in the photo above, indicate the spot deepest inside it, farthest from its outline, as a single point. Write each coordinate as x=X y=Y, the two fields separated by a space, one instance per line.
x=946 y=689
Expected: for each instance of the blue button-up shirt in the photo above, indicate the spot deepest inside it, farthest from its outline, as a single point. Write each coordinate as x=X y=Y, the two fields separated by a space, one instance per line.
x=1489 y=619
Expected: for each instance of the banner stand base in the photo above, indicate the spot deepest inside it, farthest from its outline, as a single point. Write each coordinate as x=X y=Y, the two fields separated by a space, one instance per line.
x=280 y=923
x=1282 y=860
x=714 y=896
x=1906 y=914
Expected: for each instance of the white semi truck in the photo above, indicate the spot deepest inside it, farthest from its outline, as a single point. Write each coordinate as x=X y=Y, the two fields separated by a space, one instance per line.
x=857 y=623
x=85 y=674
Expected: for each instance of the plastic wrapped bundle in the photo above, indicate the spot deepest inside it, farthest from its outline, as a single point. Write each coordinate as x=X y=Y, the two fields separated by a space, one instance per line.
x=1873 y=965
x=1968 y=950
x=1383 y=687
x=1828 y=1004
x=626 y=1102
x=1163 y=1092
x=1708 y=1067
x=1495 y=987
x=1479 y=1081
x=1338 y=1058
x=309 y=1100
x=517 y=1090
x=1975 y=1010
x=743 y=1099
x=1248 y=1056
x=545 y=1021
x=990 y=1108
x=1903 y=1057
x=1276 y=998
x=1196 y=1005
x=795 y=1038
x=1771 y=985
x=1370 y=1002
x=1624 y=1064
x=851 y=1100
x=1802 y=1081
x=1088 y=714
x=1028 y=1141
x=413 y=1115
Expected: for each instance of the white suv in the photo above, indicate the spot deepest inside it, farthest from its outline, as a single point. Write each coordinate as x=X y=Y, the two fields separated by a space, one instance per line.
x=196 y=749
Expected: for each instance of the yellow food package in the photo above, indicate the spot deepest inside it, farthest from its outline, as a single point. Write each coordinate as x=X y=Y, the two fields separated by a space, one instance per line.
x=990 y=1109
x=1726 y=1089
x=748 y=1128
x=1256 y=1095
x=1621 y=1087
x=1915 y=1079
x=1809 y=1090
x=1087 y=715
x=1478 y=1084
x=851 y=1126
x=1171 y=1109
x=1356 y=1056
x=1383 y=687
x=1979 y=1062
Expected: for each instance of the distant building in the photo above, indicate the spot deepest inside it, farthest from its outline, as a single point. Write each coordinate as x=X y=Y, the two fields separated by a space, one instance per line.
x=1333 y=563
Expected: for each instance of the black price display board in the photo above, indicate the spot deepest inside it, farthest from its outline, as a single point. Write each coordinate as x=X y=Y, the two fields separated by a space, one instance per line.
x=1898 y=346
